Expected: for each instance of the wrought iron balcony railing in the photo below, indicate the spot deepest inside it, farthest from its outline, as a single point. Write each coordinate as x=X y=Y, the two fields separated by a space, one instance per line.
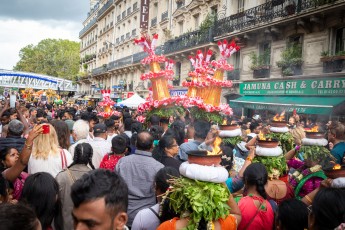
x=164 y=16
x=105 y=7
x=120 y=62
x=100 y=70
x=265 y=13
x=189 y=40
x=88 y=26
x=154 y=21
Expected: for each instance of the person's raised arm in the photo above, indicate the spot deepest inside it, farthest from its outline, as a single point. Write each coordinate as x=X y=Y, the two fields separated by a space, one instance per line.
x=12 y=173
x=251 y=143
x=22 y=119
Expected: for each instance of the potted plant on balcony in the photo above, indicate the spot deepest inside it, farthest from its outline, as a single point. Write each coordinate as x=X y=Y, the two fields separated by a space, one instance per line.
x=333 y=63
x=176 y=81
x=260 y=64
x=292 y=61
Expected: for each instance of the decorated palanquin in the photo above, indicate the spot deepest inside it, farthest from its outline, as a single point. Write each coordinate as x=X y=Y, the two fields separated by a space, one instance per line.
x=107 y=104
x=204 y=87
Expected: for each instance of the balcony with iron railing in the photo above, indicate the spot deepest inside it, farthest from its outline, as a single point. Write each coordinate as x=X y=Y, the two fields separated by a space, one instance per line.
x=154 y=21
x=88 y=26
x=105 y=7
x=100 y=70
x=189 y=40
x=164 y=16
x=120 y=62
x=272 y=11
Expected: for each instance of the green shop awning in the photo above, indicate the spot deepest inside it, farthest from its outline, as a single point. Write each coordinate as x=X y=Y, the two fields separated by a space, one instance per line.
x=306 y=105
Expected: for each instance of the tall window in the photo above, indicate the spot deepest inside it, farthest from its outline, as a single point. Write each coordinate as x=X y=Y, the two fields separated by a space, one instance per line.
x=265 y=53
x=340 y=40
x=240 y=5
x=196 y=20
x=180 y=25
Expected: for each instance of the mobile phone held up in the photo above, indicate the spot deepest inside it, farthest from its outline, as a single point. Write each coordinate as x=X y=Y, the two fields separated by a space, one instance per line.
x=46 y=129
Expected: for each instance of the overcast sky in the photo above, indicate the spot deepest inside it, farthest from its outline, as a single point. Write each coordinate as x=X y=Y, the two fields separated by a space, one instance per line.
x=24 y=22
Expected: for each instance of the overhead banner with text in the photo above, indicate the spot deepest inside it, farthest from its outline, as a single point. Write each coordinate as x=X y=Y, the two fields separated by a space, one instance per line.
x=314 y=87
x=144 y=14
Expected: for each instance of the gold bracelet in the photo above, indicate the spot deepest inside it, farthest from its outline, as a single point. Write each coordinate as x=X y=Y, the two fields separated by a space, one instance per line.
x=308 y=199
x=27 y=146
x=249 y=159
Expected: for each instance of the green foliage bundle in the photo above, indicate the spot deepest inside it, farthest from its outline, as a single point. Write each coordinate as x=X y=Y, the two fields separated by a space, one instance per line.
x=232 y=140
x=200 y=114
x=202 y=199
x=166 y=112
x=286 y=140
x=273 y=164
x=53 y=57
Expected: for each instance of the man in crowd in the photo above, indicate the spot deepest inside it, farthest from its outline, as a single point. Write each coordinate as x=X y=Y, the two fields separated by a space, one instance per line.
x=201 y=129
x=255 y=129
x=80 y=133
x=336 y=136
x=100 y=200
x=99 y=144
x=139 y=171
x=164 y=123
x=14 y=136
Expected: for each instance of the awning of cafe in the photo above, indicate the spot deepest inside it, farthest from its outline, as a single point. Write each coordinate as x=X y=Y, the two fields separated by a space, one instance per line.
x=305 y=105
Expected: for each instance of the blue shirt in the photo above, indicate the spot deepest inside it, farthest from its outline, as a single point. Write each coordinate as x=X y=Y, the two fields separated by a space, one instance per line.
x=234 y=183
x=186 y=147
x=338 y=151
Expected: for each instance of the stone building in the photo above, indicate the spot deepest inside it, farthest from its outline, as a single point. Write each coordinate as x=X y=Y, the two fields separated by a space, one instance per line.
x=279 y=39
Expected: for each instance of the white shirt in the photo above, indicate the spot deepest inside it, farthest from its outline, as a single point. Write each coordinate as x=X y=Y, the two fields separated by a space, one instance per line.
x=100 y=148
x=146 y=219
x=110 y=137
x=72 y=147
x=52 y=165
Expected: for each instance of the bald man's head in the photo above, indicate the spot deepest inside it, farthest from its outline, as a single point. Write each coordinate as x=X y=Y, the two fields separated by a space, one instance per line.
x=144 y=141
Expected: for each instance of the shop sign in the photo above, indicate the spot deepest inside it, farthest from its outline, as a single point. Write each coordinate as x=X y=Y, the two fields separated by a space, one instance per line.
x=180 y=92
x=319 y=87
x=144 y=14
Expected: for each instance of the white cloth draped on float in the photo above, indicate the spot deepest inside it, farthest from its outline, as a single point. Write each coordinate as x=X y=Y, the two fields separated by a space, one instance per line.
x=132 y=102
x=268 y=152
x=216 y=174
x=316 y=142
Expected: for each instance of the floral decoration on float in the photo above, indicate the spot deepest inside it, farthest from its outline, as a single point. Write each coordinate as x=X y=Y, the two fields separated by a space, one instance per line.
x=107 y=105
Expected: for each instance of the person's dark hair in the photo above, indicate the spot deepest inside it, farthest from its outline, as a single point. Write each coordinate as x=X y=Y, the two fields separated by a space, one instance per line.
x=71 y=112
x=15 y=128
x=136 y=128
x=126 y=115
x=59 y=114
x=256 y=174
x=41 y=113
x=201 y=129
x=89 y=109
x=3 y=186
x=154 y=120
x=62 y=132
x=253 y=126
x=329 y=208
x=292 y=214
x=128 y=124
x=159 y=151
x=17 y=216
x=118 y=144
x=93 y=117
x=177 y=129
x=156 y=132
x=83 y=155
x=114 y=117
x=41 y=193
x=101 y=183
x=110 y=123
x=162 y=177
x=144 y=141
x=164 y=120
x=227 y=157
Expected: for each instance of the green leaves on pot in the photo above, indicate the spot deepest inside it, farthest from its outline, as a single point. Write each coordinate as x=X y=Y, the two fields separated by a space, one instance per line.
x=232 y=140
x=200 y=114
x=202 y=199
x=286 y=140
x=272 y=163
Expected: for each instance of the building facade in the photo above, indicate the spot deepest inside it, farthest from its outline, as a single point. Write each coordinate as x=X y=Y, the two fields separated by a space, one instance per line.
x=279 y=39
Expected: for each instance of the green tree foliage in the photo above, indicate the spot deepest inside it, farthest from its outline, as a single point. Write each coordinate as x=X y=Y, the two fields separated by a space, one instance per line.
x=53 y=57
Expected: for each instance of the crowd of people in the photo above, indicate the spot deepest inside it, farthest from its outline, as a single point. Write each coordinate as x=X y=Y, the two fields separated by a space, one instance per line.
x=64 y=167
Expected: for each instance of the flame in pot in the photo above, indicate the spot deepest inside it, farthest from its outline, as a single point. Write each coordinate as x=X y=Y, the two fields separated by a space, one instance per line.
x=337 y=167
x=280 y=117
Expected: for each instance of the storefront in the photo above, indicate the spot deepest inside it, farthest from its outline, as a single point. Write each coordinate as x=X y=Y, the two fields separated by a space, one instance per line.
x=320 y=96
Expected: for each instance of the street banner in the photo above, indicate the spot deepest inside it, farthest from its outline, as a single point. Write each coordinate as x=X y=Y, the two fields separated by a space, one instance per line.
x=144 y=14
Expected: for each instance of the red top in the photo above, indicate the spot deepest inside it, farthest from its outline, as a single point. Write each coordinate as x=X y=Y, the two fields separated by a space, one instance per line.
x=109 y=161
x=262 y=220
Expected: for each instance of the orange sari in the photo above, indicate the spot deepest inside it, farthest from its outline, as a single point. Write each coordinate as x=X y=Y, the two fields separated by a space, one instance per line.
x=229 y=223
